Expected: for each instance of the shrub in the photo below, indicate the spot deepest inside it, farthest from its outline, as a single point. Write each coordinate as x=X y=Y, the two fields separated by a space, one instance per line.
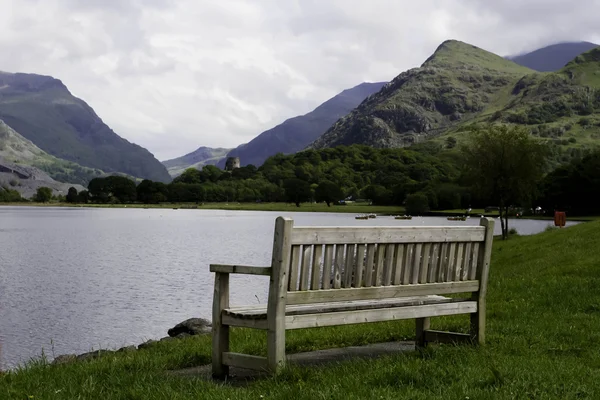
x=417 y=203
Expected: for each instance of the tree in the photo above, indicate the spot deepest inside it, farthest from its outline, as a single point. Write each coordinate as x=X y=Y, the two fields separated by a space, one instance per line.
x=417 y=204
x=72 y=195
x=328 y=192
x=43 y=194
x=84 y=197
x=296 y=191
x=504 y=163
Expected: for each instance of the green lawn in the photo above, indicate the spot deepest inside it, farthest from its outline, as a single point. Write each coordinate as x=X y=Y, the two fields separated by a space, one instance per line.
x=543 y=342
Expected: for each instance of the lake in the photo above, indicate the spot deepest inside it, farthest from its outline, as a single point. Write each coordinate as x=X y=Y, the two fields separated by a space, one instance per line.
x=74 y=280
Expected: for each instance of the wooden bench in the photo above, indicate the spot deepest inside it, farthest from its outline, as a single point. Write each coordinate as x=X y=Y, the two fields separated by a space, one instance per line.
x=322 y=276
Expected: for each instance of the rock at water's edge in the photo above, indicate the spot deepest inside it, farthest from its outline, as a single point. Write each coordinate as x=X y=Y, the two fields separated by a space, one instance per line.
x=146 y=344
x=64 y=358
x=192 y=326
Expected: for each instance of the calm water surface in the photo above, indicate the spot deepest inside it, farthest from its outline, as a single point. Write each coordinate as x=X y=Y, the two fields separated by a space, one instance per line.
x=74 y=280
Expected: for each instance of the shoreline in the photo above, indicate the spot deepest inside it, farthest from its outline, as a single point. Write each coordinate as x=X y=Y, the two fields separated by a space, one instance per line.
x=360 y=208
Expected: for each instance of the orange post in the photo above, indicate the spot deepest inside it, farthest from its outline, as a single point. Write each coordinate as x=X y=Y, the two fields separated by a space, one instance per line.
x=560 y=218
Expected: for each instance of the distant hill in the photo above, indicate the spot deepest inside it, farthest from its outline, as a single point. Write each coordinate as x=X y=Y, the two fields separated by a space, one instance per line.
x=461 y=85
x=196 y=159
x=296 y=133
x=43 y=110
x=553 y=57
x=19 y=151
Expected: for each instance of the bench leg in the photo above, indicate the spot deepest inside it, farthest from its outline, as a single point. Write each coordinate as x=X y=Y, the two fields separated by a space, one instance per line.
x=422 y=326
x=276 y=350
x=220 y=332
x=477 y=330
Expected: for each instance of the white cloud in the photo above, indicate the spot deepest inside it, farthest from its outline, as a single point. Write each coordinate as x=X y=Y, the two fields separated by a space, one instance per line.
x=175 y=75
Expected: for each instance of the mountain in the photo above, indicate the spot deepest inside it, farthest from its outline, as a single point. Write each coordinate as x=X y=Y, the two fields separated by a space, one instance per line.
x=553 y=57
x=196 y=159
x=461 y=85
x=296 y=133
x=455 y=84
x=42 y=109
x=17 y=150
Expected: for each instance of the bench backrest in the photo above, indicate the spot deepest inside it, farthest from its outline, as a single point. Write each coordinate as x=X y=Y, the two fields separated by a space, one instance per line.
x=323 y=264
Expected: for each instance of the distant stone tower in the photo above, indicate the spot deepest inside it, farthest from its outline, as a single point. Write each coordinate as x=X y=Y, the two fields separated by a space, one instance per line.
x=232 y=163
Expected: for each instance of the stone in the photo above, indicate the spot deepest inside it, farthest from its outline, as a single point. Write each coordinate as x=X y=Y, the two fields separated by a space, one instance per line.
x=192 y=326
x=146 y=344
x=183 y=335
x=92 y=354
x=64 y=359
x=167 y=339
x=127 y=349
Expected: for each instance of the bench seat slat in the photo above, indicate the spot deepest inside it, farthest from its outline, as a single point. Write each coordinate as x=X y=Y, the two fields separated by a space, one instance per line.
x=260 y=311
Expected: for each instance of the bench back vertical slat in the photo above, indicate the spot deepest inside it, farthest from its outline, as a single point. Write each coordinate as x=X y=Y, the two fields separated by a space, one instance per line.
x=398 y=263
x=315 y=275
x=338 y=265
x=305 y=267
x=349 y=265
x=425 y=260
x=369 y=267
x=293 y=272
x=359 y=271
x=474 y=262
x=327 y=266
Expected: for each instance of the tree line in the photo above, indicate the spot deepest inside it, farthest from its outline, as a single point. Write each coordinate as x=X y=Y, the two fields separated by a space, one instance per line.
x=495 y=165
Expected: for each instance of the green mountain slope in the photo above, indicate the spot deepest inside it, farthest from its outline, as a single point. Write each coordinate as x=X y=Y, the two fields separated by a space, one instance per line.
x=19 y=151
x=460 y=85
x=196 y=159
x=553 y=57
x=43 y=110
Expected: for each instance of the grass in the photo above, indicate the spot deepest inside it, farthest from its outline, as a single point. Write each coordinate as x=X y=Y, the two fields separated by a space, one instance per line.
x=360 y=208
x=543 y=342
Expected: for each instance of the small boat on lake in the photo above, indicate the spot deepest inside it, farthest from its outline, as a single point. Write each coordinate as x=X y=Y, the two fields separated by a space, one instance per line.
x=403 y=217
x=372 y=216
x=363 y=216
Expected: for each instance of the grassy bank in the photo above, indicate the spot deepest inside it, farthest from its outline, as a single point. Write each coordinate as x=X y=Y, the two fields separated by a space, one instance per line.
x=543 y=342
x=359 y=208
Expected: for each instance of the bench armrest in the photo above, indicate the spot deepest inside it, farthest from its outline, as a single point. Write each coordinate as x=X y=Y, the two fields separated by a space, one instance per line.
x=240 y=269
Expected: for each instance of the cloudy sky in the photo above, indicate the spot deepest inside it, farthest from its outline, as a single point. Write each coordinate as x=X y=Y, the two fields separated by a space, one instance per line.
x=173 y=75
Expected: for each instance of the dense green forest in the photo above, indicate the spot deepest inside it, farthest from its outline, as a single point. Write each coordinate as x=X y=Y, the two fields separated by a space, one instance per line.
x=423 y=177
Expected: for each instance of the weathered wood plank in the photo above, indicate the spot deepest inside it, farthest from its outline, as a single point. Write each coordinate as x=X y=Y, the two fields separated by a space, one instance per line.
x=278 y=284
x=356 y=317
x=360 y=265
x=246 y=322
x=370 y=263
x=416 y=266
x=388 y=267
x=398 y=264
x=379 y=259
x=474 y=261
x=220 y=331
x=434 y=263
x=404 y=234
x=240 y=269
x=245 y=361
x=293 y=277
x=305 y=266
x=466 y=268
x=364 y=293
x=349 y=266
x=478 y=319
x=460 y=247
x=425 y=263
x=327 y=266
x=338 y=265
x=316 y=268
x=408 y=263
x=443 y=265
x=450 y=264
